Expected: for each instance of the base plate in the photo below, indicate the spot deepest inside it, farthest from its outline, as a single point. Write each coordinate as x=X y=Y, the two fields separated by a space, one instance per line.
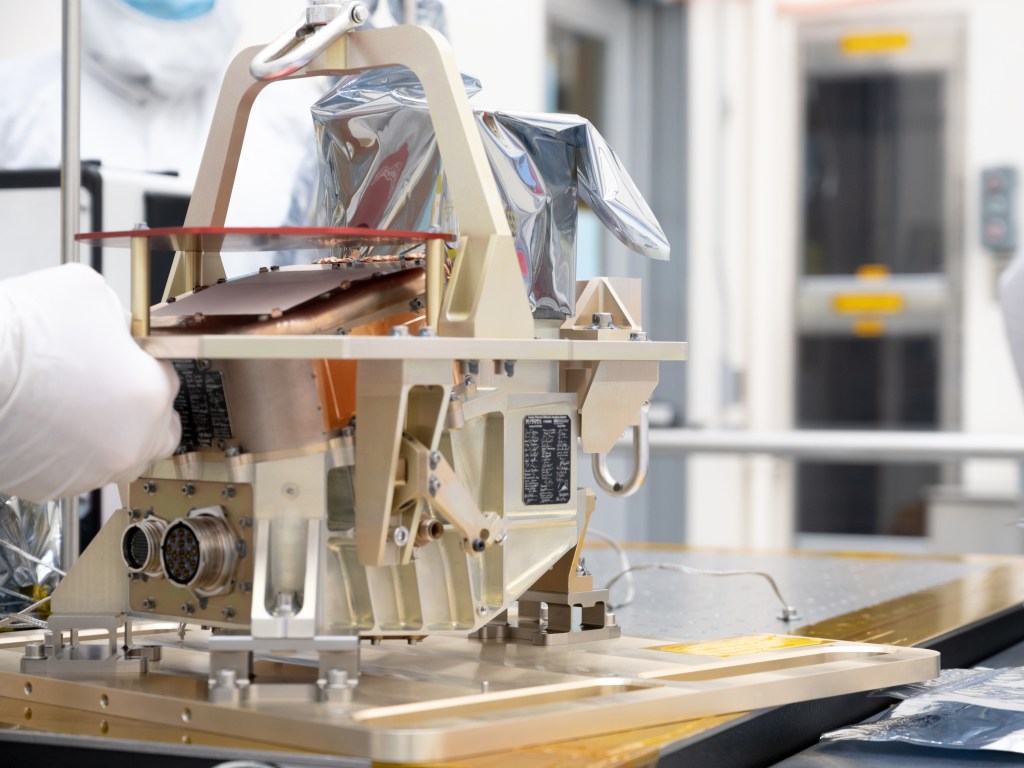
x=447 y=698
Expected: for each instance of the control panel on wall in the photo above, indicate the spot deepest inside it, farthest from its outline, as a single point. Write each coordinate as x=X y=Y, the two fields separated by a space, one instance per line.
x=999 y=209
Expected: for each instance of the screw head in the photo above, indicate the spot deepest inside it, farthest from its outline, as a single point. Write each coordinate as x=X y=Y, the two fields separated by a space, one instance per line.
x=360 y=13
x=188 y=489
x=228 y=612
x=149 y=603
x=400 y=536
x=479 y=545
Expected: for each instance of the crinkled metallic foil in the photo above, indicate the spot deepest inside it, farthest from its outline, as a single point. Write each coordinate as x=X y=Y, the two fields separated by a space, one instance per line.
x=380 y=168
x=35 y=529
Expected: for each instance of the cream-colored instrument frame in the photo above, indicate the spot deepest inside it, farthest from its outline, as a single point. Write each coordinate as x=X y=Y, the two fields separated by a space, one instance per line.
x=477 y=301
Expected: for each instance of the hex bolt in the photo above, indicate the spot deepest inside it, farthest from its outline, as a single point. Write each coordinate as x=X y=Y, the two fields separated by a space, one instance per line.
x=149 y=487
x=35 y=651
x=400 y=536
x=228 y=613
x=188 y=489
x=228 y=493
x=187 y=608
x=789 y=613
x=284 y=604
x=435 y=459
x=399 y=330
x=149 y=603
x=433 y=485
x=427 y=331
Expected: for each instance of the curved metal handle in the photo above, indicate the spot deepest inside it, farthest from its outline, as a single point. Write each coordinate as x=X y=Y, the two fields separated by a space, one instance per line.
x=641 y=462
x=305 y=41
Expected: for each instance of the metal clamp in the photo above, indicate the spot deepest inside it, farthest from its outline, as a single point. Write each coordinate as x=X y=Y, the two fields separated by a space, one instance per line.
x=308 y=38
x=641 y=462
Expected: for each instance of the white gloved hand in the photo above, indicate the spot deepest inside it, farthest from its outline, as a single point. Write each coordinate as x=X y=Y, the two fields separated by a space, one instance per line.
x=81 y=405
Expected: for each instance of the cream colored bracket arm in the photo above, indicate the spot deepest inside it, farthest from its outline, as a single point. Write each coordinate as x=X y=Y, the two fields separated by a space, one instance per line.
x=455 y=504
x=431 y=478
x=321 y=24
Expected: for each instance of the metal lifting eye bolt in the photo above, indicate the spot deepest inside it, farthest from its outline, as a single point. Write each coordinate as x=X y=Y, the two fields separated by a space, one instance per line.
x=321 y=25
x=325 y=11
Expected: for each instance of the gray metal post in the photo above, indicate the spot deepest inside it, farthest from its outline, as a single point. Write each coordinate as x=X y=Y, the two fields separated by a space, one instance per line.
x=70 y=183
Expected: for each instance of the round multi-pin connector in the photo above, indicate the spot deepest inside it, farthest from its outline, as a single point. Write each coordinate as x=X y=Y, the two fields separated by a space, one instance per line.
x=199 y=553
x=140 y=546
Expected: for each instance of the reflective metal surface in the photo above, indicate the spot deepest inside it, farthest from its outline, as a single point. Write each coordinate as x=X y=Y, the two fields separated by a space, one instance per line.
x=31 y=538
x=380 y=167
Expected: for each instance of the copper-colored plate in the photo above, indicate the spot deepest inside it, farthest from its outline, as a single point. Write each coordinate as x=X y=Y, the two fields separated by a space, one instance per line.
x=217 y=239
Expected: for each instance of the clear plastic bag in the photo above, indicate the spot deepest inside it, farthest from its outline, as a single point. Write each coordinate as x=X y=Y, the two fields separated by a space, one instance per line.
x=961 y=709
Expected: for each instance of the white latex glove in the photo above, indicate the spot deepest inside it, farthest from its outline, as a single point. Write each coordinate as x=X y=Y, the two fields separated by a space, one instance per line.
x=81 y=405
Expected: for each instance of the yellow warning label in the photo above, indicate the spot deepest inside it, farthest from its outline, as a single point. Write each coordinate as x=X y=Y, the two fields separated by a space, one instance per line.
x=867 y=303
x=874 y=43
x=741 y=646
x=868 y=329
x=873 y=272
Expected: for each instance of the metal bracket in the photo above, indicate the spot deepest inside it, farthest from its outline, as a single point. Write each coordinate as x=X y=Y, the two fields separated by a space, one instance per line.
x=53 y=657
x=545 y=618
x=231 y=658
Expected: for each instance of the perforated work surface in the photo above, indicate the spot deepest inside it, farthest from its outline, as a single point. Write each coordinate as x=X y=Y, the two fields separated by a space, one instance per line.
x=681 y=607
